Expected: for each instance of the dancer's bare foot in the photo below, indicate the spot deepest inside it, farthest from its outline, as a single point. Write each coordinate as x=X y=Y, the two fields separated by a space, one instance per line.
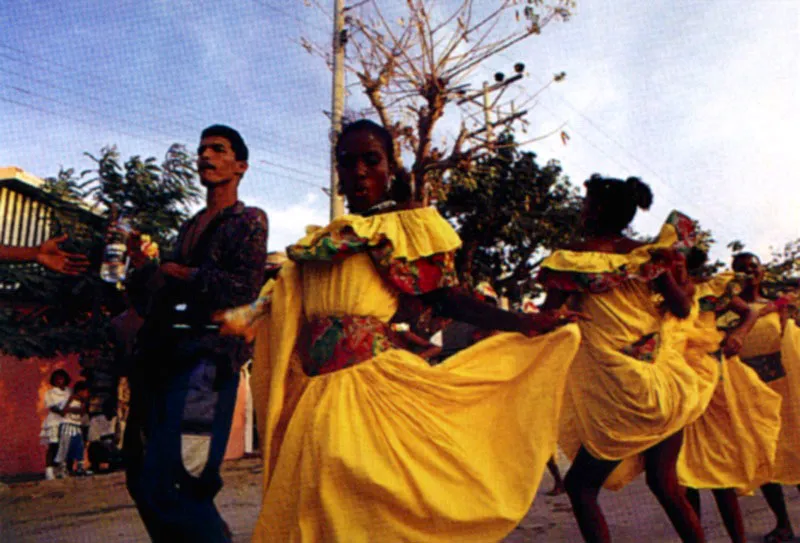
x=779 y=535
x=557 y=490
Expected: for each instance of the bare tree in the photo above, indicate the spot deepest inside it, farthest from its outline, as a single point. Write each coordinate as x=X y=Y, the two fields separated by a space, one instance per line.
x=413 y=67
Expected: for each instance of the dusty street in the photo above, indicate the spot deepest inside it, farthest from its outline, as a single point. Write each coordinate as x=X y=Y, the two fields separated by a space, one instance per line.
x=98 y=510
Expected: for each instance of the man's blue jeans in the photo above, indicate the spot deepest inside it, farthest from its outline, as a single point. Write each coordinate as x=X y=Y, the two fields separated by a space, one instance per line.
x=175 y=440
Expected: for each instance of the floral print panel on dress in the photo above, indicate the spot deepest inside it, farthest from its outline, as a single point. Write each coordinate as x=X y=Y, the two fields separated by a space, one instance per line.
x=598 y=282
x=338 y=342
x=720 y=303
x=645 y=349
x=416 y=276
x=334 y=245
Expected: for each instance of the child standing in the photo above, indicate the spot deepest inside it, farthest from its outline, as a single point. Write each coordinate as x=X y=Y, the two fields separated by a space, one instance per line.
x=71 y=444
x=54 y=400
x=102 y=439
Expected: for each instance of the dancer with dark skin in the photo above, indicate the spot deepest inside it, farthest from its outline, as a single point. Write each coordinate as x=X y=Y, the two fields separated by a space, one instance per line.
x=608 y=208
x=749 y=265
x=726 y=498
x=366 y=157
x=377 y=195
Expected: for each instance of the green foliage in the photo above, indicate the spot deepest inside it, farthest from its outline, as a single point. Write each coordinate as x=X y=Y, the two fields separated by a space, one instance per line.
x=65 y=187
x=780 y=271
x=735 y=246
x=155 y=198
x=510 y=211
x=49 y=314
x=785 y=263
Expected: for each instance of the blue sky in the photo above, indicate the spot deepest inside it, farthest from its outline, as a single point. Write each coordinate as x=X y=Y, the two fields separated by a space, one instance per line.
x=700 y=99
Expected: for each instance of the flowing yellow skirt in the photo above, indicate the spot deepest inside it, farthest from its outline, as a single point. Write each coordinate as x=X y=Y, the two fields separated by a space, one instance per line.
x=787 y=458
x=396 y=450
x=618 y=407
x=733 y=444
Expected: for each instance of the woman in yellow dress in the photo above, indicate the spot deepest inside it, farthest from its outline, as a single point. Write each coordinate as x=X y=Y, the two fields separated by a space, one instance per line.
x=630 y=391
x=362 y=439
x=772 y=349
x=731 y=447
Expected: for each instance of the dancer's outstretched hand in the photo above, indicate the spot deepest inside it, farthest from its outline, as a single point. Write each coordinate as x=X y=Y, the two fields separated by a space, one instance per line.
x=733 y=344
x=235 y=322
x=545 y=321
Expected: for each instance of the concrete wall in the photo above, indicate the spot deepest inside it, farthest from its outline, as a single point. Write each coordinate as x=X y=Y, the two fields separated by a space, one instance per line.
x=23 y=384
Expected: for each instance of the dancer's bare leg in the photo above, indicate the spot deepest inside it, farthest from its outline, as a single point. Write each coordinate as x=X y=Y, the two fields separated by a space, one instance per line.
x=583 y=482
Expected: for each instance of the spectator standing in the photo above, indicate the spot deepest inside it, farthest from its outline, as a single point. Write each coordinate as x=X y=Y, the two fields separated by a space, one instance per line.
x=54 y=400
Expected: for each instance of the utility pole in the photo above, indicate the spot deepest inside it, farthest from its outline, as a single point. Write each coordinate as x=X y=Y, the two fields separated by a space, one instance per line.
x=487 y=110
x=337 y=101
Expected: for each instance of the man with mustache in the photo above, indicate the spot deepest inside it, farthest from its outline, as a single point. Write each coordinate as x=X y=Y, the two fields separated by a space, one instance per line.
x=185 y=375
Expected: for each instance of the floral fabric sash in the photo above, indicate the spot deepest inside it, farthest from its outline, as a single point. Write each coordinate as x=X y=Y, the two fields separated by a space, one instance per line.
x=338 y=342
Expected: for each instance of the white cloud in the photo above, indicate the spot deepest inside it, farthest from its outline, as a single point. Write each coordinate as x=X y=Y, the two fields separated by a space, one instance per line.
x=287 y=224
x=702 y=97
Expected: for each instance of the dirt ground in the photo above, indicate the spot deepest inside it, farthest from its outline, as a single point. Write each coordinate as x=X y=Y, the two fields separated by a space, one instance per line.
x=97 y=509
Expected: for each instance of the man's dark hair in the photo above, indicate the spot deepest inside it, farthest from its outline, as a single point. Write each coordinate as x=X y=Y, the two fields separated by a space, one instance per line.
x=235 y=139
x=63 y=374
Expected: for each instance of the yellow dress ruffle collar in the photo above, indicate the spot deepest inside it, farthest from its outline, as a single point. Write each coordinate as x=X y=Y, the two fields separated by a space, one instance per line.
x=413 y=234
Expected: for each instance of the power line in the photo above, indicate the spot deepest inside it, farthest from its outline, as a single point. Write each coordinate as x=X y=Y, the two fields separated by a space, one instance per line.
x=39 y=96
x=633 y=157
x=285 y=13
x=135 y=136
x=290 y=178
x=105 y=115
x=71 y=118
x=66 y=70
x=288 y=168
x=605 y=134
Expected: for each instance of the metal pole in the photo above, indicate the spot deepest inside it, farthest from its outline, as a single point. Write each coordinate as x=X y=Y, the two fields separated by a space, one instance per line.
x=337 y=103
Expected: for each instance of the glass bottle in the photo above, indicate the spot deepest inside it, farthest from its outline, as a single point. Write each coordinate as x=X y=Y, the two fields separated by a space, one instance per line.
x=115 y=255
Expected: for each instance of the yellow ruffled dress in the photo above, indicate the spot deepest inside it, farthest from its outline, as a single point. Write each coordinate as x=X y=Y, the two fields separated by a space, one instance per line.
x=775 y=355
x=393 y=449
x=631 y=385
x=733 y=444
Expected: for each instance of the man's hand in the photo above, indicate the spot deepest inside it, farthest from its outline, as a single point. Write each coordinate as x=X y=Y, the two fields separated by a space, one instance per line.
x=53 y=258
x=135 y=253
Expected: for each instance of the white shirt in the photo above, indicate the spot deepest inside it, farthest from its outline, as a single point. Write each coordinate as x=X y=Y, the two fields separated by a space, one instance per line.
x=55 y=397
x=100 y=426
x=74 y=418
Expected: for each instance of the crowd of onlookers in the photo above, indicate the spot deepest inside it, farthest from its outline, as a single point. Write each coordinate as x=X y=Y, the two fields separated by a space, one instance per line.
x=75 y=419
